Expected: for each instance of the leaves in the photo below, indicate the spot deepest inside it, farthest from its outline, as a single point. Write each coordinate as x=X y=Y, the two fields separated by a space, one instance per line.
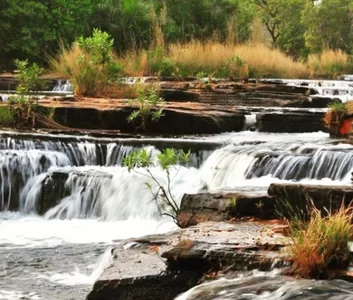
x=28 y=77
x=167 y=158
x=138 y=159
x=146 y=99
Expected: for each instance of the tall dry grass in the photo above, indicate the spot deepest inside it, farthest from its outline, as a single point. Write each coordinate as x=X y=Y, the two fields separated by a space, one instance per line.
x=213 y=59
x=88 y=78
x=261 y=60
x=329 y=64
x=322 y=242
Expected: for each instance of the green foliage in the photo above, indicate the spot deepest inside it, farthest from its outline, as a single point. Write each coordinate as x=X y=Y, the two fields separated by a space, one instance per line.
x=6 y=117
x=99 y=46
x=327 y=25
x=235 y=68
x=282 y=21
x=200 y=75
x=28 y=77
x=89 y=63
x=159 y=64
x=166 y=160
x=337 y=106
x=23 y=111
x=147 y=99
x=33 y=29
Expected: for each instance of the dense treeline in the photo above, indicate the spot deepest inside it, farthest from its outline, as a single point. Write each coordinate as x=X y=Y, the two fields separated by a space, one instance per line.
x=35 y=29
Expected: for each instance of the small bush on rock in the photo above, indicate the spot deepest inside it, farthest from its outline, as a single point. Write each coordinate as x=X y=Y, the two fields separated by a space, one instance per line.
x=321 y=242
x=89 y=63
x=147 y=99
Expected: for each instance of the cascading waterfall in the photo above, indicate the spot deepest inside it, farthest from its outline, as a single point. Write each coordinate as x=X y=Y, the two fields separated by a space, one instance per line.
x=111 y=193
x=17 y=167
x=102 y=192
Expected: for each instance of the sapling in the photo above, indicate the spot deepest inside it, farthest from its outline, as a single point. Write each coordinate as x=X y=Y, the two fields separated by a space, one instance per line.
x=166 y=160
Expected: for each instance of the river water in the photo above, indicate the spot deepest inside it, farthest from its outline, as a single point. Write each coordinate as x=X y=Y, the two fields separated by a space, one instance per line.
x=60 y=254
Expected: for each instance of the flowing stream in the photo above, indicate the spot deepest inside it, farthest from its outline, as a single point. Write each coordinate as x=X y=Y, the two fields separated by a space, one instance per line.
x=57 y=249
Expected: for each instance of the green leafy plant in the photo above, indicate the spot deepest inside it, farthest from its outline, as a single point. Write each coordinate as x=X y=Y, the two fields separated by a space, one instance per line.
x=28 y=77
x=162 y=193
x=334 y=117
x=159 y=64
x=89 y=63
x=6 y=117
x=23 y=111
x=337 y=106
x=147 y=99
x=236 y=68
x=200 y=76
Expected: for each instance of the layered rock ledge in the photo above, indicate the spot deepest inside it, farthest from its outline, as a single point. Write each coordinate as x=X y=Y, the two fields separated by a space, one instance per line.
x=224 y=237
x=162 y=266
x=263 y=204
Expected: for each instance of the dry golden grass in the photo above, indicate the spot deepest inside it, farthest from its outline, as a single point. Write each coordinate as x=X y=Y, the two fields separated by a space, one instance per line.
x=73 y=63
x=135 y=63
x=213 y=58
x=321 y=243
x=329 y=63
x=261 y=60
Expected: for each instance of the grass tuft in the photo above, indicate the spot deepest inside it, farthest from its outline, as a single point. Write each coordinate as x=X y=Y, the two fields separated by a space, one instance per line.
x=330 y=64
x=321 y=242
x=215 y=60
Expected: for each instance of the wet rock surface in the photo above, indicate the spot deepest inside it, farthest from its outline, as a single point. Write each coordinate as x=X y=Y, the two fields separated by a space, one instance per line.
x=290 y=122
x=301 y=196
x=177 y=119
x=222 y=206
x=162 y=266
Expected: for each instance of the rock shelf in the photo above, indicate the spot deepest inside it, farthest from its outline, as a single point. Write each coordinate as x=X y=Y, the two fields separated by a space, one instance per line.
x=162 y=266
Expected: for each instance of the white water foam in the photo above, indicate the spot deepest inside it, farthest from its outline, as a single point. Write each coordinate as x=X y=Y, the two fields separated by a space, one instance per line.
x=16 y=295
x=82 y=277
x=17 y=230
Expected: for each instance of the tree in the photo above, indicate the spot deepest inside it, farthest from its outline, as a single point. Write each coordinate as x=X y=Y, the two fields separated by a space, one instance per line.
x=33 y=29
x=282 y=21
x=329 y=25
x=128 y=21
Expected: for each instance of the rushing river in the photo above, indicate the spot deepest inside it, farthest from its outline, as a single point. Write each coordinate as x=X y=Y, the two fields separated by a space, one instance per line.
x=60 y=254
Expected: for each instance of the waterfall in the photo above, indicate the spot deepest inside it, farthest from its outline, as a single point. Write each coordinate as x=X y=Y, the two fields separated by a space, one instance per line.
x=80 y=153
x=95 y=185
x=63 y=86
x=116 y=194
x=17 y=167
x=333 y=163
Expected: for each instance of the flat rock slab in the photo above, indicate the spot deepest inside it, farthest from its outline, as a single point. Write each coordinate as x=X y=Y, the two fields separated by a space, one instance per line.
x=160 y=267
x=178 y=118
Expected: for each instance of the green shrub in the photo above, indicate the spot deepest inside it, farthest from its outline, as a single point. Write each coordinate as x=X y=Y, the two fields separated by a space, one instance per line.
x=28 y=77
x=89 y=63
x=159 y=64
x=147 y=99
x=6 y=117
x=23 y=111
